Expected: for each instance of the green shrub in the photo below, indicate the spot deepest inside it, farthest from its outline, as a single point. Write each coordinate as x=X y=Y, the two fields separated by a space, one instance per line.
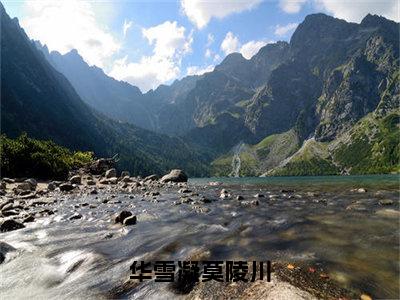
x=26 y=157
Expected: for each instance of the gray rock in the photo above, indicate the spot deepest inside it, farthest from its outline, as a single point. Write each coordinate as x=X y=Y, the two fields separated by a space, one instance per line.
x=175 y=175
x=126 y=179
x=9 y=225
x=75 y=216
x=184 y=191
x=131 y=220
x=361 y=190
x=239 y=197
x=8 y=180
x=9 y=212
x=113 y=180
x=90 y=182
x=151 y=178
x=28 y=219
x=259 y=196
x=94 y=192
x=111 y=173
x=32 y=182
x=51 y=186
x=103 y=181
x=75 y=179
x=122 y=216
x=66 y=187
x=4 y=249
x=24 y=186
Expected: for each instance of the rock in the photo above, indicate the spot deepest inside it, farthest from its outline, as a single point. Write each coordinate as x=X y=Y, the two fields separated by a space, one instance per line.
x=32 y=182
x=24 y=186
x=175 y=175
x=9 y=212
x=51 y=186
x=205 y=200
x=126 y=179
x=8 y=180
x=386 y=202
x=66 y=187
x=90 y=182
x=125 y=174
x=250 y=203
x=122 y=216
x=287 y=191
x=113 y=180
x=356 y=206
x=151 y=178
x=312 y=194
x=154 y=194
x=4 y=249
x=111 y=173
x=239 y=197
x=9 y=225
x=75 y=216
x=131 y=220
x=103 y=181
x=3 y=185
x=28 y=219
x=186 y=200
x=75 y=179
x=259 y=196
x=94 y=192
x=361 y=190
x=184 y=191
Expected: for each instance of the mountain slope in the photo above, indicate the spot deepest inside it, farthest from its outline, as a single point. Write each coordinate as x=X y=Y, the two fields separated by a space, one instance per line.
x=40 y=101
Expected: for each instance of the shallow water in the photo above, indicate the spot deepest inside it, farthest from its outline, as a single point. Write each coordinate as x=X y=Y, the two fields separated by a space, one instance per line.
x=87 y=258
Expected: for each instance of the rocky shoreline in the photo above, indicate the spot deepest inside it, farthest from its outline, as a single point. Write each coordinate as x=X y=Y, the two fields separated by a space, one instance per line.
x=24 y=201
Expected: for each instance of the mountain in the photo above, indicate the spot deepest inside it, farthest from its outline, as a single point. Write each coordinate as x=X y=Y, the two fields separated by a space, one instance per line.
x=39 y=100
x=335 y=96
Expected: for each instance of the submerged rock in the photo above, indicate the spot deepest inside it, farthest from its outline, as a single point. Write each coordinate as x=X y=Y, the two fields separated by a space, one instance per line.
x=175 y=175
x=386 y=202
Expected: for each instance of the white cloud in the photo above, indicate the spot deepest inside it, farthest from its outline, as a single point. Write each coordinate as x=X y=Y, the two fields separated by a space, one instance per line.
x=355 y=11
x=208 y=53
x=196 y=70
x=232 y=44
x=251 y=48
x=126 y=26
x=200 y=12
x=282 y=30
x=210 y=39
x=291 y=6
x=66 y=25
x=170 y=45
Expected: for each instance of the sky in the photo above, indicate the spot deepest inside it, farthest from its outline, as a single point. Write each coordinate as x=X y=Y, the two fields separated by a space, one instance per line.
x=153 y=42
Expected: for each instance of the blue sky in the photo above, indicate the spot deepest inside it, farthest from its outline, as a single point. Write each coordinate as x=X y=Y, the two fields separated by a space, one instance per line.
x=148 y=43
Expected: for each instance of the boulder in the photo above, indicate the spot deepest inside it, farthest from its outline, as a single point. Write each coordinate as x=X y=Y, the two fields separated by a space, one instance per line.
x=131 y=220
x=24 y=186
x=51 y=186
x=9 y=225
x=111 y=173
x=151 y=178
x=75 y=179
x=66 y=187
x=122 y=216
x=126 y=179
x=113 y=180
x=175 y=176
x=32 y=182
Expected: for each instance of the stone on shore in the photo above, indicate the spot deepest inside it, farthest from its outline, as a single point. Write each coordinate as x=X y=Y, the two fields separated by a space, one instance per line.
x=32 y=182
x=113 y=180
x=151 y=178
x=24 y=186
x=175 y=175
x=111 y=173
x=51 y=186
x=75 y=179
x=9 y=225
x=125 y=174
x=66 y=187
